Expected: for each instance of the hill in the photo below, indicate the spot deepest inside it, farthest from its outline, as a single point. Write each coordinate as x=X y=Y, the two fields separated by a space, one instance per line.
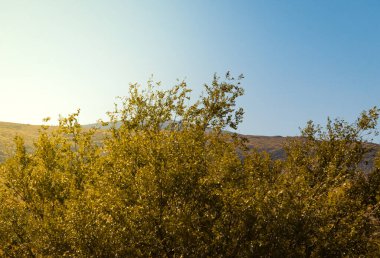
x=274 y=145
x=8 y=131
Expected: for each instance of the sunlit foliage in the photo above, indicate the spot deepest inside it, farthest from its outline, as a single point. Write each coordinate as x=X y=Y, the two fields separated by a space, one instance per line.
x=168 y=181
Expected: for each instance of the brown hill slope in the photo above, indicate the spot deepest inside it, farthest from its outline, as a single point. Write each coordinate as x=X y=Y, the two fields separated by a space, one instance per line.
x=274 y=145
x=8 y=131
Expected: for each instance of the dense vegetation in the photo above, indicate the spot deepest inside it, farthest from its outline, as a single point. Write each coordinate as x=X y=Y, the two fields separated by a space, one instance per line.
x=167 y=182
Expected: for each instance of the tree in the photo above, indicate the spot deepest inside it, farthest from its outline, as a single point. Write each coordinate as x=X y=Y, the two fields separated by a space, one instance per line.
x=166 y=180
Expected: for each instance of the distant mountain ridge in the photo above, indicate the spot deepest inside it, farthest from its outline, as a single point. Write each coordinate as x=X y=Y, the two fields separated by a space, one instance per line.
x=274 y=145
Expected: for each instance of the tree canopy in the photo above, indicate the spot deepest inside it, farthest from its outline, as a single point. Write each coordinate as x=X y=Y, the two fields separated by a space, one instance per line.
x=168 y=181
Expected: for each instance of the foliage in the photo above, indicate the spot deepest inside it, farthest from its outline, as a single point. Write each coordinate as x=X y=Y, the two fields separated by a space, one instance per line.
x=167 y=182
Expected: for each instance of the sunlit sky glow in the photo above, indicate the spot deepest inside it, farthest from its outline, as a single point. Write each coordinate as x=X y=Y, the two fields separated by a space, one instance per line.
x=302 y=59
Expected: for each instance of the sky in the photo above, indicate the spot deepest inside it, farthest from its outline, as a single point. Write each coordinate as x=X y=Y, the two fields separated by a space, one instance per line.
x=302 y=60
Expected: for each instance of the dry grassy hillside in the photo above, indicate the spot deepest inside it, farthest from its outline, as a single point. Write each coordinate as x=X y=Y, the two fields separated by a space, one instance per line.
x=274 y=145
x=8 y=131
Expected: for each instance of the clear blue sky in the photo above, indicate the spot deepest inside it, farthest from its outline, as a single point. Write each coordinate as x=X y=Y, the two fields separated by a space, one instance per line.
x=302 y=59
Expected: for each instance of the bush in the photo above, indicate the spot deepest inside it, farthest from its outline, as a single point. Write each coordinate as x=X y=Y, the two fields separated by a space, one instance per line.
x=166 y=181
